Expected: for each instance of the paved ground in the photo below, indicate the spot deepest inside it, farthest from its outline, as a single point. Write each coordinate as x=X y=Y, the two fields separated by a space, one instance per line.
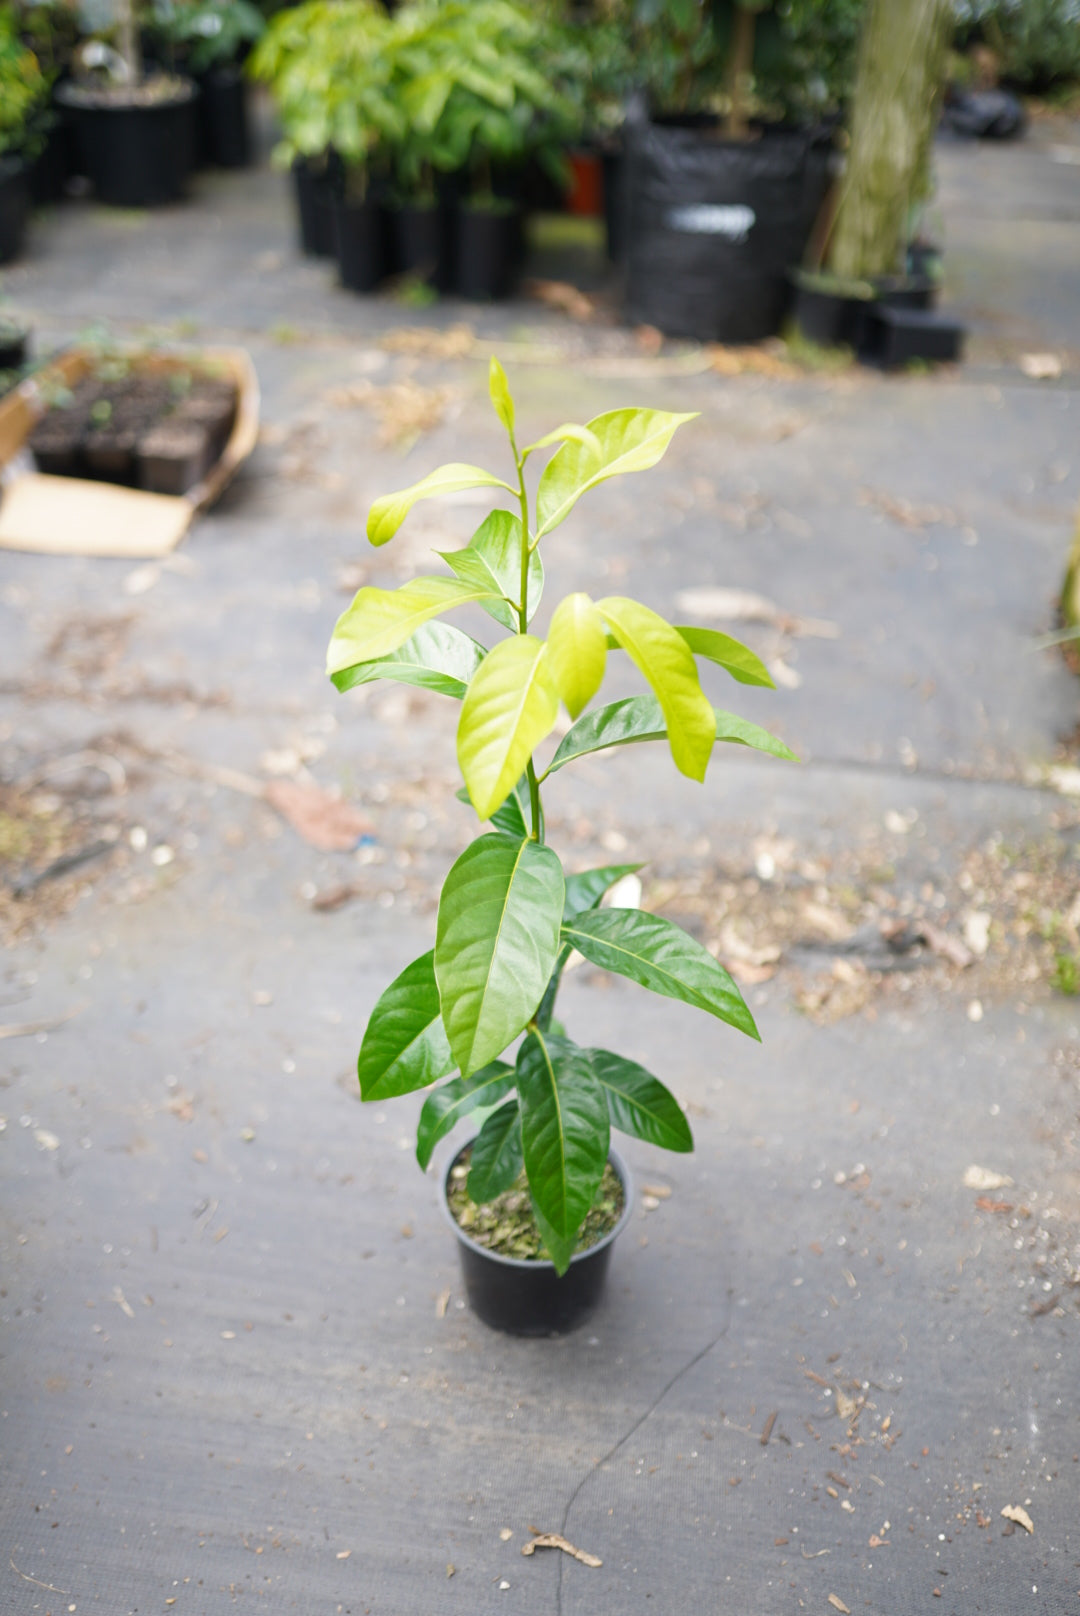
x=231 y=1374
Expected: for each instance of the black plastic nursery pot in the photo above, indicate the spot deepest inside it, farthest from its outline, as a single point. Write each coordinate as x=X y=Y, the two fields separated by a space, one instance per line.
x=51 y=168
x=137 y=154
x=487 y=251
x=14 y=343
x=528 y=1297
x=712 y=226
x=424 y=243
x=316 y=194
x=360 y=230
x=14 y=207
x=830 y=318
x=895 y=336
x=224 y=128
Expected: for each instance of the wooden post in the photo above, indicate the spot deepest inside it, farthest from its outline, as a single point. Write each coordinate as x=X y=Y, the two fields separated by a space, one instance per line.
x=900 y=71
x=740 y=71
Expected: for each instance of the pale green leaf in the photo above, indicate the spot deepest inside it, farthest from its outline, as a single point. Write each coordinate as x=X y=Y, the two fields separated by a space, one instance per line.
x=667 y=662
x=565 y=1134
x=743 y=733
x=511 y=706
x=496 y=943
x=492 y=558
x=437 y=657
x=388 y=513
x=445 y=1107
x=639 y=1104
x=497 y=1157
x=404 y=1045
x=585 y=889
x=657 y=954
x=567 y=433
x=729 y=653
x=501 y=396
x=577 y=650
x=626 y=440
x=380 y=620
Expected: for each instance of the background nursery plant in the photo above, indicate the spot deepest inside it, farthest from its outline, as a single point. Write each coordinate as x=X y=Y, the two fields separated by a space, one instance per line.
x=509 y=916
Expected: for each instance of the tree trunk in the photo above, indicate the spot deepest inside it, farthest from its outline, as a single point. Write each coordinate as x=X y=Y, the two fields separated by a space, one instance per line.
x=127 y=40
x=740 y=71
x=901 y=66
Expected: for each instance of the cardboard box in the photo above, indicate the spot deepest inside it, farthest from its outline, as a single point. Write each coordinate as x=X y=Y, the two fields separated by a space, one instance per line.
x=72 y=516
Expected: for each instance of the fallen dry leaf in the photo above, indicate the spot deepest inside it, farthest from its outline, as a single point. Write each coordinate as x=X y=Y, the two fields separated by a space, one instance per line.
x=879 y=1542
x=324 y=821
x=982 y=1178
x=562 y=296
x=742 y=606
x=755 y=361
x=662 y=1192
x=422 y=342
x=985 y=1204
x=553 y=1540
x=405 y=410
x=1041 y=367
x=847 y=1407
x=1016 y=1512
x=442 y=1302
x=838 y=1604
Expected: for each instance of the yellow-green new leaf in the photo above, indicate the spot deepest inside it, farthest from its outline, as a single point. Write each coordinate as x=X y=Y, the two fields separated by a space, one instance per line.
x=626 y=440
x=667 y=662
x=388 y=513
x=379 y=620
x=501 y=396
x=563 y=434
x=577 y=651
x=511 y=707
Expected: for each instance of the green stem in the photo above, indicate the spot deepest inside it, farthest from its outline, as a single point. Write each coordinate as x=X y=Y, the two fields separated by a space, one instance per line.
x=523 y=628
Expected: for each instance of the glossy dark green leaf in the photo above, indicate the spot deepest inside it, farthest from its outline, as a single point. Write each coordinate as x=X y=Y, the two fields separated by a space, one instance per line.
x=565 y=1134
x=496 y=1154
x=444 y=1109
x=659 y=955
x=514 y=817
x=496 y=943
x=742 y=663
x=437 y=657
x=404 y=1045
x=639 y=1103
x=639 y=718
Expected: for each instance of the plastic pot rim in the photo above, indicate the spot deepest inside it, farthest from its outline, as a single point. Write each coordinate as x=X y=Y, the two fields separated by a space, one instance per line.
x=535 y=1265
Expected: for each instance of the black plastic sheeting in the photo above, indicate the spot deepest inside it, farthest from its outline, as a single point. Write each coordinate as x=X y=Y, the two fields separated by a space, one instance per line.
x=713 y=226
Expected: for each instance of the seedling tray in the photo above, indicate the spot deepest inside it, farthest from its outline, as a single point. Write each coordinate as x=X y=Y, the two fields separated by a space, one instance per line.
x=75 y=516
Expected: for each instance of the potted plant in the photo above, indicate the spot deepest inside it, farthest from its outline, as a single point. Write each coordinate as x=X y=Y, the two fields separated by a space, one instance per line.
x=211 y=39
x=326 y=64
x=23 y=99
x=135 y=130
x=509 y=915
x=50 y=29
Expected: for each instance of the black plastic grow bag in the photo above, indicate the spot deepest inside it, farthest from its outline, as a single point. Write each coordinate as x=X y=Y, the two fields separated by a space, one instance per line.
x=713 y=226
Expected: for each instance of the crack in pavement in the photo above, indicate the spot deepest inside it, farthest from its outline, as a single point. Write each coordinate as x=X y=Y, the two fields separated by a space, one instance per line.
x=624 y=1439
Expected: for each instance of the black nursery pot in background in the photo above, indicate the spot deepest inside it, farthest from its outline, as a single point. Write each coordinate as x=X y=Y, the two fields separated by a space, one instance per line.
x=14 y=207
x=424 y=243
x=529 y=1298
x=713 y=226
x=316 y=192
x=137 y=156
x=361 y=243
x=488 y=251
x=224 y=128
x=14 y=343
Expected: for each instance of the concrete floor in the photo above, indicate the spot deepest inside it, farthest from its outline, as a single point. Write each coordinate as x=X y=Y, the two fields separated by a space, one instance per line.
x=231 y=1374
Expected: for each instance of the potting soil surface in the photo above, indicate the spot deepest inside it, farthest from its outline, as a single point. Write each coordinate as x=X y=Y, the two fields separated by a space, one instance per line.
x=836 y=1366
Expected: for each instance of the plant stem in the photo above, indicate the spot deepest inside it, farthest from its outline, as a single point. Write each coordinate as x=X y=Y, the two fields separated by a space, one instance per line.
x=523 y=628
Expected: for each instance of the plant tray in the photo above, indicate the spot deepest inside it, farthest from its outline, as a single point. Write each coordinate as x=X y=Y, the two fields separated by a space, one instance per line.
x=75 y=516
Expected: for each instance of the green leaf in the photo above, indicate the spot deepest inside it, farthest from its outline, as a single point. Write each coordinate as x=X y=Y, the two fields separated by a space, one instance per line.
x=639 y=718
x=627 y=440
x=639 y=1103
x=566 y=433
x=437 y=657
x=565 y=1134
x=496 y=1155
x=380 y=620
x=729 y=653
x=658 y=955
x=740 y=730
x=388 y=513
x=404 y=1045
x=585 y=889
x=577 y=649
x=496 y=943
x=492 y=559
x=501 y=396
x=511 y=817
x=667 y=662
x=444 y=1109
x=511 y=706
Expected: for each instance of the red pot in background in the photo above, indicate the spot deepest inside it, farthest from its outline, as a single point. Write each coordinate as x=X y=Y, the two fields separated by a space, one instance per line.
x=586 y=194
